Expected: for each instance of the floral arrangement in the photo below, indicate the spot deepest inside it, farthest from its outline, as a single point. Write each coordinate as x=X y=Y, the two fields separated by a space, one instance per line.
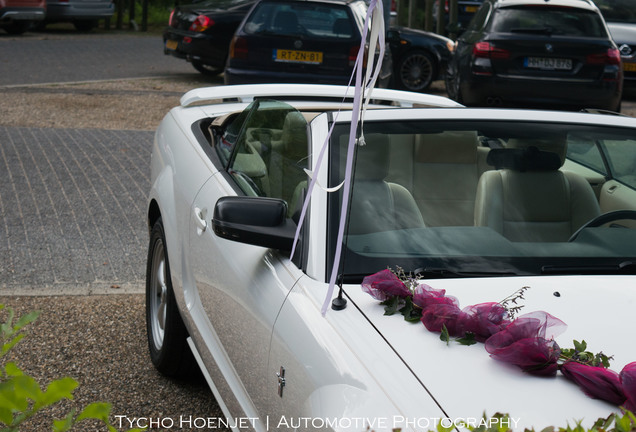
x=526 y=341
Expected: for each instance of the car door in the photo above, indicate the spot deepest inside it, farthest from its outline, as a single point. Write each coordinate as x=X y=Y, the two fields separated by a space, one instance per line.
x=241 y=287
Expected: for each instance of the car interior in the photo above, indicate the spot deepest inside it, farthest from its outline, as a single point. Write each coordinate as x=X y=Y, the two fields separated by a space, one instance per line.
x=449 y=187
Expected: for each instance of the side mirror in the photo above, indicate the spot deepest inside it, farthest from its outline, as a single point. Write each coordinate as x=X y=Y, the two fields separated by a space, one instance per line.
x=254 y=220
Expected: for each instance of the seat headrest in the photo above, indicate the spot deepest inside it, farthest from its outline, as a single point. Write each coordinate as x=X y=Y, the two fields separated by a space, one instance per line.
x=555 y=144
x=524 y=159
x=458 y=147
x=294 y=130
x=372 y=161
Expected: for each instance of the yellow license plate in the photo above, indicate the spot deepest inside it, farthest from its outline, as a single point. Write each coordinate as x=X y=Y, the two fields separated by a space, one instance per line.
x=471 y=9
x=629 y=67
x=293 y=56
x=172 y=44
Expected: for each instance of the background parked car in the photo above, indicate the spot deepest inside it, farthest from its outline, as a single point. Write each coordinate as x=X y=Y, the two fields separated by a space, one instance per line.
x=201 y=32
x=17 y=16
x=419 y=57
x=466 y=9
x=537 y=53
x=620 y=16
x=84 y=14
x=299 y=42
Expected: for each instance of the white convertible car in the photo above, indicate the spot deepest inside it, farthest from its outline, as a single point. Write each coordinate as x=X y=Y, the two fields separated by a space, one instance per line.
x=479 y=203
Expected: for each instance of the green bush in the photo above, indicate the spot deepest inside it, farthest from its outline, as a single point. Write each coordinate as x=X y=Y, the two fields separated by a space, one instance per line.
x=21 y=396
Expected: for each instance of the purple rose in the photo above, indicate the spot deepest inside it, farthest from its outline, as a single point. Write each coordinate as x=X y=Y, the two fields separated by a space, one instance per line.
x=483 y=320
x=436 y=316
x=527 y=342
x=425 y=296
x=596 y=381
x=384 y=285
x=628 y=383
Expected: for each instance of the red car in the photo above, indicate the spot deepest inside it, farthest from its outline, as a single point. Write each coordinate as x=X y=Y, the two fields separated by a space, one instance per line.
x=17 y=16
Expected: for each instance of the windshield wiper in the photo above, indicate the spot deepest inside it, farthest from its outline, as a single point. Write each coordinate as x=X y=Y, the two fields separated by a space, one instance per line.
x=625 y=267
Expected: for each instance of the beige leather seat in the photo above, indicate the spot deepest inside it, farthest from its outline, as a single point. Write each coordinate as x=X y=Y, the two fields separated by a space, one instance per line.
x=528 y=199
x=378 y=205
x=446 y=170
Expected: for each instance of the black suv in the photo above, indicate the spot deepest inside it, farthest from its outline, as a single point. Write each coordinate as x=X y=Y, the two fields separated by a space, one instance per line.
x=537 y=53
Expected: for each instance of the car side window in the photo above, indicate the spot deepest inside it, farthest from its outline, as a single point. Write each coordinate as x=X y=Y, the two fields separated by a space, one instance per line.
x=481 y=17
x=587 y=153
x=621 y=157
x=271 y=152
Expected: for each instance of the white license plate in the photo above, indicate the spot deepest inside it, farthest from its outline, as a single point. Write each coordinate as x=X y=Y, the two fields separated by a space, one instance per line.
x=548 y=63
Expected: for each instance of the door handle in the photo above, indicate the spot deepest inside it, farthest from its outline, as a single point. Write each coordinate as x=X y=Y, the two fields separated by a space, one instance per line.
x=199 y=218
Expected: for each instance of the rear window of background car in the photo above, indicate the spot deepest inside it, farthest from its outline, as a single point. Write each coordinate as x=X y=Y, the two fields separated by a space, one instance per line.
x=549 y=20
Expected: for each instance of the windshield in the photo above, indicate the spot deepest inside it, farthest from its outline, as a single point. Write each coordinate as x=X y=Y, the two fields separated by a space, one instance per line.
x=618 y=10
x=459 y=198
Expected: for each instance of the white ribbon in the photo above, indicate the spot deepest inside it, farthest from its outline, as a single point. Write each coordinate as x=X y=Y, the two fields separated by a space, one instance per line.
x=374 y=20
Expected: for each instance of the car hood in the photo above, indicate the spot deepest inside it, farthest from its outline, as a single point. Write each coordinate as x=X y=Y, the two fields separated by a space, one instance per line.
x=467 y=383
x=623 y=33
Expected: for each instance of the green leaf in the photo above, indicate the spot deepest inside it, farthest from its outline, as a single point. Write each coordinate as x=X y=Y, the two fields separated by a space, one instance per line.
x=444 y=336
x=12 y=370
x=96 y=410
x=391 y=305
x=56 y=391
x=6 y=415
x=6 y=347
x=410 y=312
x=580 y=346
x=26 y=320
x=64 y=424
x=468 y=339
x=623 y=423
x=18 y=391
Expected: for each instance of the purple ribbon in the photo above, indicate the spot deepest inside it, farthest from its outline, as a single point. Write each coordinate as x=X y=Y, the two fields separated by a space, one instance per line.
x=378 y=30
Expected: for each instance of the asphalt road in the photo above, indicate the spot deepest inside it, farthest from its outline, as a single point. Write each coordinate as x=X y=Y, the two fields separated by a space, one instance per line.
x=68 y=56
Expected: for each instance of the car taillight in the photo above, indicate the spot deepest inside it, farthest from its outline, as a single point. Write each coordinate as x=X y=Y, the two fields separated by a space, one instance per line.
x=202 y=23
x=238 y=48
x=611 y=57
x=353 y=55
x=488 y=50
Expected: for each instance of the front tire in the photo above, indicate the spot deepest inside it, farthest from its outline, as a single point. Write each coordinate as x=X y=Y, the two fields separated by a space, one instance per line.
x=167 y=335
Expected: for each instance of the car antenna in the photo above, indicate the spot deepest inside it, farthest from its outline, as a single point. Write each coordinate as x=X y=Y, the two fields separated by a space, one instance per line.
x=339 y=303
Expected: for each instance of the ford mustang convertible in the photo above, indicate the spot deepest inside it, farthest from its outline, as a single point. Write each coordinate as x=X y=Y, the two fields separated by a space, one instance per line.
x=309 y=269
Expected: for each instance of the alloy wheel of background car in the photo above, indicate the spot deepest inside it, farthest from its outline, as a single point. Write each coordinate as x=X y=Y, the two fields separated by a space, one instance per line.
x=167 y=335
x=206 y=69
x=416 y=71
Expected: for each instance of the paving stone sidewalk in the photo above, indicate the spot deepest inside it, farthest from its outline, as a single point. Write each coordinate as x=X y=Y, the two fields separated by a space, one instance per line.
x=72 y=210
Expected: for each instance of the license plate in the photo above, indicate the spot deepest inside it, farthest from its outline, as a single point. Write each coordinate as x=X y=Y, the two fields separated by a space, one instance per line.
x=629 y=67
x=547 y=63
x=172 y=44
x=293 y=56
x=471 y=9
